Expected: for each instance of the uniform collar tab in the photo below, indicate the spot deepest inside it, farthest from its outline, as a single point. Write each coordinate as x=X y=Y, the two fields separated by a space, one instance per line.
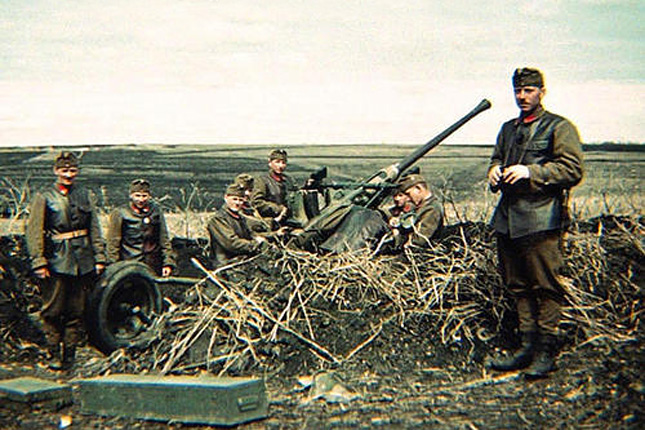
x=63 y=189
x=276 y=176
x=233 y=214
x=533 y=116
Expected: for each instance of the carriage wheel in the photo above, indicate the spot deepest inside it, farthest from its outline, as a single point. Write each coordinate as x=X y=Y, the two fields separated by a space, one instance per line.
x=123 y=306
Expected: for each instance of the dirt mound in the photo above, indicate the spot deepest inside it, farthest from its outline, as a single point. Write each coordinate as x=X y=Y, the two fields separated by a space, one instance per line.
x=407 y=331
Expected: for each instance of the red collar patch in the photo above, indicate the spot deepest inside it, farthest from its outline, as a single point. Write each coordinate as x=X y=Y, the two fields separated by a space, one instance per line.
x=63 y=189
x=277 y=177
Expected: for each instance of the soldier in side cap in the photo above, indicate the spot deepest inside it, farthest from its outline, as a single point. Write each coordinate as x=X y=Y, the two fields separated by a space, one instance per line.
x=67 y=253
x=247 y=182
x=536 y=160
x=428 y=213
x=229 y=231
x=138 y=231
x=256 y=222
x=271 y=190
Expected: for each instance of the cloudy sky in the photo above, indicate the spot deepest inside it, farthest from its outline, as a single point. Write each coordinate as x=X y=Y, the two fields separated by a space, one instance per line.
x=313 y=72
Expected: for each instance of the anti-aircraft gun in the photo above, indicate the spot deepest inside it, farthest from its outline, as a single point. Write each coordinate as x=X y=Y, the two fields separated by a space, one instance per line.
x=320 y=216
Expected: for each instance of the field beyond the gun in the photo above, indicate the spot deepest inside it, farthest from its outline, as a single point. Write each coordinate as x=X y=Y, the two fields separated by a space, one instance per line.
x=403 y=339
x=189 y=180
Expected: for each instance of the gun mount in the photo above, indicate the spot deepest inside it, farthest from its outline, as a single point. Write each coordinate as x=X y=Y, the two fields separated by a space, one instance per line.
x=319 y=215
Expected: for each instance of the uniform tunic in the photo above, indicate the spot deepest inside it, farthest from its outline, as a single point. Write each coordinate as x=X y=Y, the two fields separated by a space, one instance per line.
x=270 y=194
x=230 y=236
x=429 y=222
x=532 y=213
x=71 y=260
x=53 y=212
x=140 y=235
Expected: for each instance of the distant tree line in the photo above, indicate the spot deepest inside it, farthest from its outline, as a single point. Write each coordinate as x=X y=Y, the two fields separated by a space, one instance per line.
x=614 y=147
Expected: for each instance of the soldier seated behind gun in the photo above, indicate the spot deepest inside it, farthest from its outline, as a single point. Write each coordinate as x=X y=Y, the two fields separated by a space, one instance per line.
x=271 y=190
x=428 y=219
x=229 y=232
x=137 y=231
x=67 y=253
x=402 y=205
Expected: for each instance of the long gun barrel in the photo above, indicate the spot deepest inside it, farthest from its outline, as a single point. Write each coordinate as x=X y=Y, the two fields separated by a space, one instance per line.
x=423 y=150
x=391 y=173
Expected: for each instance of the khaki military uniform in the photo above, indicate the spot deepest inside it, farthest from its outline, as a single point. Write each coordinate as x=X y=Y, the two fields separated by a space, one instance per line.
x=63 y=234
x=531 y=214
x=428 y=224
x=230 y=236
x=270 y=194
x=140 y=235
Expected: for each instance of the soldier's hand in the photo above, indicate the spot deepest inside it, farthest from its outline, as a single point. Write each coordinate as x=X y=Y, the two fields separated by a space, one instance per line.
x=42 y=272
x=166 y=271
x=514 y=173
x=99 y=268
x=494 y=176
x=260 y=239
x=281 y=215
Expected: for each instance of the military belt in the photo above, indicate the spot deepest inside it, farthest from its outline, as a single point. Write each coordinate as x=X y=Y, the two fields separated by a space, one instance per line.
x=69 y=234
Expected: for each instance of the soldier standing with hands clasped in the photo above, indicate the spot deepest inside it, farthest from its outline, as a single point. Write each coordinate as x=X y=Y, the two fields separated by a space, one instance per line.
x=536 y=160
x=137 y=231
x=67 y=252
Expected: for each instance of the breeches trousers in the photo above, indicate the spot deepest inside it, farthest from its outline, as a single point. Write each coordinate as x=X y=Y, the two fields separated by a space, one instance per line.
x=530 y=268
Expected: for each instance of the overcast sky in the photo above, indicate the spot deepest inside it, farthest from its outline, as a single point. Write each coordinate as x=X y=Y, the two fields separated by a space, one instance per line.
x=316 y=72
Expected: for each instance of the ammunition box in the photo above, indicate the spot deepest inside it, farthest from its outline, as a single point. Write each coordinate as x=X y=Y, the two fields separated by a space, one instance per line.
x=26 y=393
x=219 y=401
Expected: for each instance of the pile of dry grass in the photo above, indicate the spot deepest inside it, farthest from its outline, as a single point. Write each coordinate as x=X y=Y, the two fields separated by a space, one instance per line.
x=306 y=311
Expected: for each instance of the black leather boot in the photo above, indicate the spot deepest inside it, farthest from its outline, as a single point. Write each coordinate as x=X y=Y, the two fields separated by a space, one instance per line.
x=544 y=361
x=68 y=356
x=55 y=357
x=522 y=358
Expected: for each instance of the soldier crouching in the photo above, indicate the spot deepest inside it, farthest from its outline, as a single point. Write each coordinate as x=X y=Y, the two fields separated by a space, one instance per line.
x=229 y=232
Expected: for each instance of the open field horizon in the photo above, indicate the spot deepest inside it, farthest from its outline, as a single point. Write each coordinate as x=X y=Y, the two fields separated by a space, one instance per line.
x=188 y=180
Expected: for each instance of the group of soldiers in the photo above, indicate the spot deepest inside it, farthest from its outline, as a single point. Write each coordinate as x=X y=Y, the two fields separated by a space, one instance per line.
x=68 y=251
x=256 y=212
x=536 y=160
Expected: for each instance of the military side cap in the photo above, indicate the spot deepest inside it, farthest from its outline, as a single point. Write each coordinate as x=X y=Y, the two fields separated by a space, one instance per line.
x=66 y=159
x=235 y=190
x=410 y=181
x=278 y=154
x=527 y=77
x=139 y=186
x=245 y=180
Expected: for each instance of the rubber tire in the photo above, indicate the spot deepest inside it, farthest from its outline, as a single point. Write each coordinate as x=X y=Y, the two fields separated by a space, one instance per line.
x=130 y=282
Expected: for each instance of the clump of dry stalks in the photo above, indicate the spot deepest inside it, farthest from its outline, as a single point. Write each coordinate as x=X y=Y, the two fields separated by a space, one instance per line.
x=336 y=306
